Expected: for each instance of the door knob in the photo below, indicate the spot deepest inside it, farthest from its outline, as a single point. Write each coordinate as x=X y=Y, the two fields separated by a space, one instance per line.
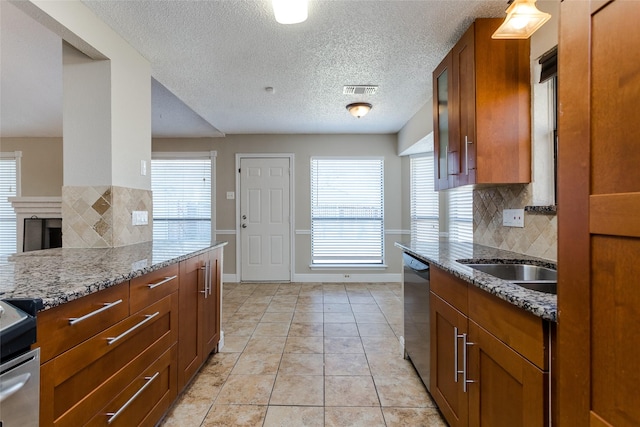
x=244 y=225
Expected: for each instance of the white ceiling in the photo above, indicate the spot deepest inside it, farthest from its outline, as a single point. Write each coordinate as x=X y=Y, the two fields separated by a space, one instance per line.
x=212 y=61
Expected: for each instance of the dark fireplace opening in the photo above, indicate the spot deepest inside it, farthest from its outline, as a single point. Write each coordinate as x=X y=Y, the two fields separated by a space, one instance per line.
x=42 y=233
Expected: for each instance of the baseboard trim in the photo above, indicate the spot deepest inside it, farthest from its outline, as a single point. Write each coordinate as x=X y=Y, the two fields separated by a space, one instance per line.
x=348 y=277
x=333 y=278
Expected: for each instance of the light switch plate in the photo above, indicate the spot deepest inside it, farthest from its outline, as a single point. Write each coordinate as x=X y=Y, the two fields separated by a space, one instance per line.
x=513 y=218
x=231 y=195
x=139 y=218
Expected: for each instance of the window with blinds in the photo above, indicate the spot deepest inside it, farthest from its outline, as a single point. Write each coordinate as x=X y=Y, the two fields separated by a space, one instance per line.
x=461 y=215
x=182 y=193
x=8 y=188
x=347 y=210
x=424 y=200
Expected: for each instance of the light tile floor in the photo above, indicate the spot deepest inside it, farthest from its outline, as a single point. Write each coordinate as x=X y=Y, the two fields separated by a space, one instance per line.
x=300 y=355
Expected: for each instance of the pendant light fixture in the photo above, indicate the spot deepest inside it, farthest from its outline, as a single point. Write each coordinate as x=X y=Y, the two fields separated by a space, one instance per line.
x=359 y=109
x=290 y=11
x=523 y=19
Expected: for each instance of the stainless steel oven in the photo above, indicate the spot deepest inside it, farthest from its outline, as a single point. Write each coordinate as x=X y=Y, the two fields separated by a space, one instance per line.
x=20 y=390
x=19 y=365
x=416 y=315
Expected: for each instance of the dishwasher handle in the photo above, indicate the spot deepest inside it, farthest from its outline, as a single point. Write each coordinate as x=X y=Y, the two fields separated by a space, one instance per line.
x=419 y=267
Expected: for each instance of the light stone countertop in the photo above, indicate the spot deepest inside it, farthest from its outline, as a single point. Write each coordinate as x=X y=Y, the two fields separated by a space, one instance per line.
x=61 y=275
x=446 y=256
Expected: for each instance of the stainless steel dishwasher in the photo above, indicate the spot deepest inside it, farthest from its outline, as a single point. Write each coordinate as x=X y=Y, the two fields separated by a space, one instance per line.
x=416 y=315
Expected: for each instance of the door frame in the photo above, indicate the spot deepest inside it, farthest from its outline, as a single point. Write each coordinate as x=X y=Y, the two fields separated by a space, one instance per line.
x=291 y=158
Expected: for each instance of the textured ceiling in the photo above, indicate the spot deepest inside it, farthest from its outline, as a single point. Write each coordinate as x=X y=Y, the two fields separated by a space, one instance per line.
x=218 y=57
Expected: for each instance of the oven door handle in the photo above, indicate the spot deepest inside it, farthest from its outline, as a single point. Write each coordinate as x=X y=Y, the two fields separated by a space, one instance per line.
x=13 y=385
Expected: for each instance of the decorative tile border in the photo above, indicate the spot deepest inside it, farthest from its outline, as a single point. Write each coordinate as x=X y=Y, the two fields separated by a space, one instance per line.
x=100 y=216
x=538 y=237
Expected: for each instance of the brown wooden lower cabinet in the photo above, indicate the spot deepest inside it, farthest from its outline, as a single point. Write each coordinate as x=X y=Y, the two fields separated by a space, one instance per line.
x=199 y=327
x=447 y=324
x=476 y=378
x=146 y=398
x=507 y=389
x=135 y=347
x=80 y=381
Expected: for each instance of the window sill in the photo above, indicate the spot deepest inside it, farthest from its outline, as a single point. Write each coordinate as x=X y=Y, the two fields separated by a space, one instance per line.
x=347 y=266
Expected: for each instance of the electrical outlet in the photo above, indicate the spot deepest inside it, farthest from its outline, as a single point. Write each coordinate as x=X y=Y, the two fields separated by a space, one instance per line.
x=513 y=218
x=139 y=218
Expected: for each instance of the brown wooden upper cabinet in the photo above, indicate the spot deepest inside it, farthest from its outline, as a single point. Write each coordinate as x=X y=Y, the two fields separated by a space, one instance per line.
x=482 y=110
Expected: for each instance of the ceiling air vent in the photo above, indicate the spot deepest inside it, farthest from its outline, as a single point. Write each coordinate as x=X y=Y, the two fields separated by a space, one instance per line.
x=360 y=90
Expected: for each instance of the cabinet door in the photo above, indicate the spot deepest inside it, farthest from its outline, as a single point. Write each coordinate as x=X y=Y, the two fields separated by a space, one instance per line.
x=446 y=155
x=210 y=303
x=80 y=381
x=599 y=194
x=189 y=337
x=68 y=325
x=507 y=390
x=446 y=380
x=464 y=94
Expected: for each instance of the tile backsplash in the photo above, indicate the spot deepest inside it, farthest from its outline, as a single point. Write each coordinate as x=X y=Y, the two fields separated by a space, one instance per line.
x=539 y=237
x=100 y=216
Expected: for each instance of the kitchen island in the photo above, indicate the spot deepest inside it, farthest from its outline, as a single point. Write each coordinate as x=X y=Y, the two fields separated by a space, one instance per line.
x=123 y=330
x=61 y=275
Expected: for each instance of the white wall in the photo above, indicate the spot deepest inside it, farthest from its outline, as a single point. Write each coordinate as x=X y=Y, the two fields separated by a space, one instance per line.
x=86 y=119
x=418 y=126
x=41 y=164
x=303 y=147
x=130 y=87
x=542 y=180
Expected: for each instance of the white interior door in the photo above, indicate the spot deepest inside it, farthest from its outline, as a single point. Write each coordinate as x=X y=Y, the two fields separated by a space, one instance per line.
x=265 y=219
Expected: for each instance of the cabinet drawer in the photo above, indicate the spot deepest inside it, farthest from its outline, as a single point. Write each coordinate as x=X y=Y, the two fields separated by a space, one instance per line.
x=145 y=399
x=65 y=326
x=522 y=331
x=451 y=289
x=151 y=287
x=78 y=373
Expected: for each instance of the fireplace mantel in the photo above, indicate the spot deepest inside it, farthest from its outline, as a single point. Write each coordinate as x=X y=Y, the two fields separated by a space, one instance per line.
x=28 y=207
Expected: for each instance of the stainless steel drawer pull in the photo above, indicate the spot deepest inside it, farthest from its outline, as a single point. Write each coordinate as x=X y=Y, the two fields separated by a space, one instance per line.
x=455 y=354
x=148 y=317
x=204 y=270
x=113 y=415
x=456 y=337
x=107 y=306
x=465 y=379
x=162 y=282
x=208 y=277
x=466 y=154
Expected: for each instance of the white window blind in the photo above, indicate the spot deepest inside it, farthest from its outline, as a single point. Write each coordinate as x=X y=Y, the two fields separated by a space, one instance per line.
x=8 y=188
x=424 y=200
x=461 y=215
x=347 y=210
x=182 y=193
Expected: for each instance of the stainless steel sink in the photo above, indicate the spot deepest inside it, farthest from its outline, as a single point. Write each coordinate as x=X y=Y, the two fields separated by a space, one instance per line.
x=528 y=276
x=546 y=287
x=517 y=272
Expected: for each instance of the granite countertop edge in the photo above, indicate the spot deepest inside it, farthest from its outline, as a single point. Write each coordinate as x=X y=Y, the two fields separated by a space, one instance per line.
x=446 y=257
x=58 y=276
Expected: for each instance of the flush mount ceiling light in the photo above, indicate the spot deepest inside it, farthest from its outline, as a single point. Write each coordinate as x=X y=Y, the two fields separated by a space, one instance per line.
x=359 y=109
x=290 y=11
x=523 y=19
